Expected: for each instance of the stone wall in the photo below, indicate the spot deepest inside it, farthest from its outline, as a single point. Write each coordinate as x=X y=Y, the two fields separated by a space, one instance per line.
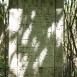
x=35 y=38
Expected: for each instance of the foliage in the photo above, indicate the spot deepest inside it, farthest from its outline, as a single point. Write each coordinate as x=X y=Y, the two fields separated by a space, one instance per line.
x=2 y=41
x=70 y=34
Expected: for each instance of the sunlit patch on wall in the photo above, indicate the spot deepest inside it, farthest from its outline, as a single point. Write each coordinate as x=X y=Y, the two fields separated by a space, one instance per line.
x=12 y=48
x=13 y=64
x=42 y=56
x=35 y=66
x=58 y=11
x=39 y=61
x=22 y=64
x=26 y=35
x=59 y=32
x=17 y=65
x=35 y=44
x=33 y=14
x=1 y=38
x=15 y=16
x=51 y=30
x=20 y=31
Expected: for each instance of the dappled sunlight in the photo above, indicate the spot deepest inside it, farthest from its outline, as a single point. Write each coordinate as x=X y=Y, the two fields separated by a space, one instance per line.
x=18 y=64
x=75 y=60
x=35 y=44
x=14 y=25
x=31 y=33
x=19 y=61
x=12 y=48
x=51 y=30
x=1 y=38
x=35 y=66
x=59 y=32
x=59 y=29
x=15 y=18
x=26 y=35
x=69 y=2
x=13 y=66
x=39 y=61
x=5 y=2
x=22 y=64
x=31 y=39
x=27 y=32
x=58 y=11
x=1 y=1
x=42 y=56
x=33 y=14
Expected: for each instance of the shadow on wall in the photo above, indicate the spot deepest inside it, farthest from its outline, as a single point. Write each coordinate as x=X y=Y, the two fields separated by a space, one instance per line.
x=35 y=41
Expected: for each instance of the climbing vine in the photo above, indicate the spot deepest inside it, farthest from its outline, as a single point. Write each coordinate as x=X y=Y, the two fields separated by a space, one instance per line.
x=70 y=37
